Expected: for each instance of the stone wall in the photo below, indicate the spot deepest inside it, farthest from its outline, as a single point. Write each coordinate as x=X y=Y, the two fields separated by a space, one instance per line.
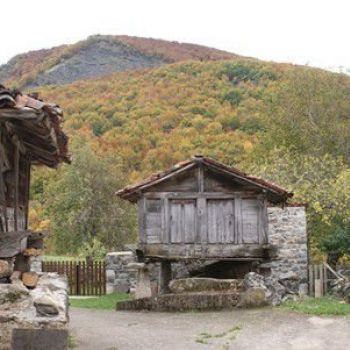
x=287 y=230
x=44 y=307
x=120 y=278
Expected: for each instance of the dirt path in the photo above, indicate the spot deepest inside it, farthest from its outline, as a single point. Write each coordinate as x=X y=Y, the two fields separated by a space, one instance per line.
x=263 y=329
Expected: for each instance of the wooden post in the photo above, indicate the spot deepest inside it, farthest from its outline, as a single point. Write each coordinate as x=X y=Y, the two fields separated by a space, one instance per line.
x=325 y=280
x=318 y=281
x=311 y=281
x=164 y=277
x=16 y=194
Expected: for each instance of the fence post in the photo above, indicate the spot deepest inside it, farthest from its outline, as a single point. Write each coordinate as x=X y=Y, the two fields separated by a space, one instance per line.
x=77 y=267
x=311 y=281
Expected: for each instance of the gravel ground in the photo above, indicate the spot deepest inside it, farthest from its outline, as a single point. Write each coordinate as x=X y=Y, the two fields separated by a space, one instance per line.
x=260 y=329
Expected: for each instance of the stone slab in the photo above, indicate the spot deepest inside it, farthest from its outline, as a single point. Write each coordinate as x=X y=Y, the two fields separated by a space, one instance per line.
x=182 y=302
x=39 y=339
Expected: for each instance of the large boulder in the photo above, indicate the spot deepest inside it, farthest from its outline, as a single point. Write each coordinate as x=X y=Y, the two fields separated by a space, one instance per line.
x=197 y=284
x=253 y=283
x=253 y=297
x=46 y=306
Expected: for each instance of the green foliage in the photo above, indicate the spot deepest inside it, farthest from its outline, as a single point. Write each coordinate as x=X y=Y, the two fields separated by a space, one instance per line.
x=242 y=72
x=230 y=123
x=321 y=182
x=234 y=97
x=104 y=302
x=338 y=241
x=319 y=306
x=81 y=205
x=92 y=249
x=252 y=126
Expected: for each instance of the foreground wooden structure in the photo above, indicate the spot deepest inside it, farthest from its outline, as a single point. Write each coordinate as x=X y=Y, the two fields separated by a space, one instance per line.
x=201 y=209
x=30 y=134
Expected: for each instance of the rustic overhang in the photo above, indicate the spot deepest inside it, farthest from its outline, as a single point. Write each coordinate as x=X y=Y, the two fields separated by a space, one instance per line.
x=36 y=124
x=274 y=193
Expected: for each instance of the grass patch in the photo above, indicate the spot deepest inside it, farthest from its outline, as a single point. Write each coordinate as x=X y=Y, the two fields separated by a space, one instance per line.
x=318 y=306
x=104 y=302
x=231 y=333
x=60 y=258
x=71 y=342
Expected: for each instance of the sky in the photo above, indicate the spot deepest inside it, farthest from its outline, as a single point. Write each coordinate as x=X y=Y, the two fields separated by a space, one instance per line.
x=298 y=31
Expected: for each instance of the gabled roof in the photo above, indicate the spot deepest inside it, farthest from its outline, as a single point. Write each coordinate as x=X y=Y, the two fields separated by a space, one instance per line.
x=131 y=193
x=37 y=124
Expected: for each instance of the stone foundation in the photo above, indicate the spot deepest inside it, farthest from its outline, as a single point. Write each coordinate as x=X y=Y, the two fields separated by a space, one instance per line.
x=44 y=307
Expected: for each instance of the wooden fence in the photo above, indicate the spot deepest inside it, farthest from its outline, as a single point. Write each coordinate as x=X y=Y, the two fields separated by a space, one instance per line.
x=319 y=276
x=83 y=278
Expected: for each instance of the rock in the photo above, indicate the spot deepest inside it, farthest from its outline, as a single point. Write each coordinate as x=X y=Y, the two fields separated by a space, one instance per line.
x=30 y=279
x=53 y=281
x=118 y=257
x=121 y=286
x=197 y=284
x=288 y=276
x=278 y=291
x=110 y=276
x=12 y=293
x=4 y=280
x=303 y=289
x=253 y=297
x=253 y=279
x=5 y=269
x=136 y=266
x=15 y=276
x=46 y=306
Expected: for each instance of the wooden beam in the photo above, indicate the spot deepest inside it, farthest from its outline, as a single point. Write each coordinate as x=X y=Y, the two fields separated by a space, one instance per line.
x=16 y=194
x=212 y=251
x=2 y=186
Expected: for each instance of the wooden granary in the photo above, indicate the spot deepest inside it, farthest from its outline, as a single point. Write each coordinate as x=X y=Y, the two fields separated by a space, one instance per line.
x=201 y=209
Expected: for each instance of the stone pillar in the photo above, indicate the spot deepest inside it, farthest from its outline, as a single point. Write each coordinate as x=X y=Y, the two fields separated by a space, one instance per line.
x=164 y=277
x=287 y=231
x=143 y=284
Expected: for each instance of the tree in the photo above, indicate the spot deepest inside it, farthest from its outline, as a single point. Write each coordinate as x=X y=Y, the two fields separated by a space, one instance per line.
x=82 y=205
x=337 y=244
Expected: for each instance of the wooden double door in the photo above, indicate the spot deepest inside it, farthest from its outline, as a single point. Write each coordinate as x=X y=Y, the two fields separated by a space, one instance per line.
x=215 y=221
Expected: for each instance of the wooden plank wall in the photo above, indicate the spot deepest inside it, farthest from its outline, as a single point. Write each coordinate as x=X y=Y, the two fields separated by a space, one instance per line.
x=202 y=218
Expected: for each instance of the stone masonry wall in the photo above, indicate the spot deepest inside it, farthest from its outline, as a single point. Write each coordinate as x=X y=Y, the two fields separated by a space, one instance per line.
x=287 y=230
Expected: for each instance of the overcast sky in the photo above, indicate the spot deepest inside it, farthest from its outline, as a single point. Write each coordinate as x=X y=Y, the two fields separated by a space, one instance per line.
x=299 y=31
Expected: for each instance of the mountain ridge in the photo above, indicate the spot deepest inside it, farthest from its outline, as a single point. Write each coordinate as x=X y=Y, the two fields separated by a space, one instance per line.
x=97 y=56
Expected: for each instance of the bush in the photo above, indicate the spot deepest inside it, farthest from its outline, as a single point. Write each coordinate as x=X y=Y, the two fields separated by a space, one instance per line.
x=234 y=96
x=252 y=126
x=93 y=249
x=230 y=123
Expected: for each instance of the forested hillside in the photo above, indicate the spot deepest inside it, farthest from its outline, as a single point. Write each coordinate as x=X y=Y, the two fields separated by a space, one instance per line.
x=289 y=124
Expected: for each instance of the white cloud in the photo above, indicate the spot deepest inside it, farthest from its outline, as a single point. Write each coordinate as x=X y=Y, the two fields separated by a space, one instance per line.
x=299 y=31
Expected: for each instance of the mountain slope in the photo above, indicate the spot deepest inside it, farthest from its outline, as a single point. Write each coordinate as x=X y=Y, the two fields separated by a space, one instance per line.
x=99 y=55
x=155 y=117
